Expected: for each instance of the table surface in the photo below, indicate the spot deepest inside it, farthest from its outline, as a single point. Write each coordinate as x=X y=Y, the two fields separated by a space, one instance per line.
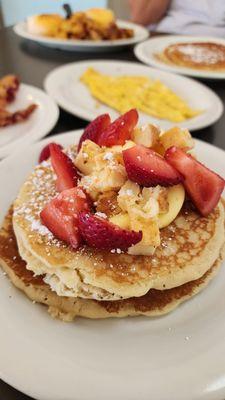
x=32 y=62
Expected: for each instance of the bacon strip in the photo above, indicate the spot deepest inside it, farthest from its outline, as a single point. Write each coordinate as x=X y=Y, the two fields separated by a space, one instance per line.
x=9 y=85
x=8 y=118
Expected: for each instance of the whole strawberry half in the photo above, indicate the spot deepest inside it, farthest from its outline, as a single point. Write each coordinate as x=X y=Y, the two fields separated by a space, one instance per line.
x=60 y=215
x=147 y=168
x=67 y=174
x=94 y=129
x=99 y=233
x=120 y=130
x=45 y=152
x=202 y=185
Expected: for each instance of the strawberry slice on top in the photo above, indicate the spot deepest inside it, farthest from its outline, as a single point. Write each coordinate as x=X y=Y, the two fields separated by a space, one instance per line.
x=147 y=168
x=45 y=152
x=67 y=174
x=60 y=215
x=202 y=185
x=94 y=129
x=99 y=233
x=120 y=130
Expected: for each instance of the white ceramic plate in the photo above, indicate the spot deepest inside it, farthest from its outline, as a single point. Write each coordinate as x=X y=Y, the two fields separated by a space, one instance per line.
x=145 y=52
x=40 y=122
x=140 y=33
x=179 y=356
x=64 y=86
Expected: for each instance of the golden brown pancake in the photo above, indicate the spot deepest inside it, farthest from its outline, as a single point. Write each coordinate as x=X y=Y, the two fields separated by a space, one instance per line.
x=189 y=247
x=153 y=303
x=205 y=56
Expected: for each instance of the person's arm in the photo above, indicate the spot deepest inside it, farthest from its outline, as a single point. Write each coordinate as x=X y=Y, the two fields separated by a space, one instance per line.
x=147 y=12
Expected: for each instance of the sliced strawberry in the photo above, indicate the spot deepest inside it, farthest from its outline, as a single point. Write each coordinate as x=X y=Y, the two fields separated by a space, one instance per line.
x=120 y=130
x=94 y=129
x=147 y=168
x=102 y=234
x=202 y=185
x=67 y=175
x=60 y=215
x=45 y=152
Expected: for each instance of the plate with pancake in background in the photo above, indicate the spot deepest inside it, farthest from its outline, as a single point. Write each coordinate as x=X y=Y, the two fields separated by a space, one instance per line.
x=23 y=111
x=97 y=226
x=93 y=30
x=200 y=57
x=89 y=88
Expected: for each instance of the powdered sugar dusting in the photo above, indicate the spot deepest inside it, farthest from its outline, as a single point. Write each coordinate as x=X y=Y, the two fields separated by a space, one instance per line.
x=108 y=156
x=203 y=53
x=40 y=189
x=101 y=215
x=40 y=228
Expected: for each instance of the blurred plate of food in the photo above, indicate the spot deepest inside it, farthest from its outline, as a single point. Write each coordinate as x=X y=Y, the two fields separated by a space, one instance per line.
x=91 y=30
x=201 y=57
x=23 y=110
x=89 y=88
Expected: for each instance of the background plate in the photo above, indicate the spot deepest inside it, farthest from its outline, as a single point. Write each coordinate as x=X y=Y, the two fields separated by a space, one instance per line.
x=145 y=53
x=64 y=86
x=140 y=33
x=179 y=356
x=40 y=122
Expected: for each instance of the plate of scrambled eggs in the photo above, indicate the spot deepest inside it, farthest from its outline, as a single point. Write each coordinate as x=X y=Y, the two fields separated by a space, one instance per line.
x=89 y=88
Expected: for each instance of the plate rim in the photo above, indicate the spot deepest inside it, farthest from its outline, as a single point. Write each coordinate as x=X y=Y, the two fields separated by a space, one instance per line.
x=79 y=112
x=49 y=124
x=141 y=56
x=16 y=381
x=60 y=136
x=19 y=29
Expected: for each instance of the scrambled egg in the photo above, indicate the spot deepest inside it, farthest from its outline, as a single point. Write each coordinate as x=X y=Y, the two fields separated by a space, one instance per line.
x=147 y=95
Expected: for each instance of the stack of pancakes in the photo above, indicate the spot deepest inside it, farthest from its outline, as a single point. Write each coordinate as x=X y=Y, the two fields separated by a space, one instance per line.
x=99 y=284
x=204 y=56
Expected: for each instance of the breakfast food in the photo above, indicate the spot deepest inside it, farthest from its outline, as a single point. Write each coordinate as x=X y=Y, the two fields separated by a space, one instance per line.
x=10 y=118
x=147 y=95
x=92 y=24
x=9 y=85
x=44 y=24
x=120 y=225
x=197 y=55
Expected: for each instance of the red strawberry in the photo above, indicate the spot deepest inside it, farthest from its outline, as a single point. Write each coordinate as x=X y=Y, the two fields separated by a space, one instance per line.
x=60 y=215
x=64 y=168
x=147 y=168
x=45 y=152
x=202 y=185
x=94 y=129
x=120 y=130
x=102 y=234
